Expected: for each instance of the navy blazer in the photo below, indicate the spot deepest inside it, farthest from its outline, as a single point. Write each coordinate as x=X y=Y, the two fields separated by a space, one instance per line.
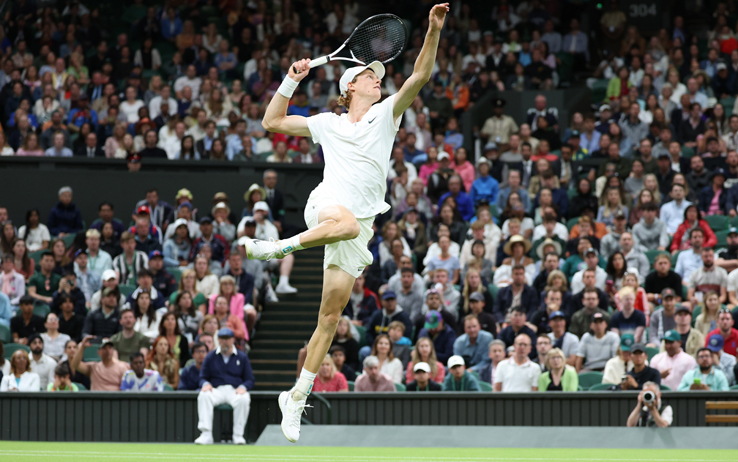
x=236 y=373
x=504 y=299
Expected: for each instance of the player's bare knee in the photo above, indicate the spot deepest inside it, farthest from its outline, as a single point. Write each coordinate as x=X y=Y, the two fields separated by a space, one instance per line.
x=349 y=229
x=329 y=321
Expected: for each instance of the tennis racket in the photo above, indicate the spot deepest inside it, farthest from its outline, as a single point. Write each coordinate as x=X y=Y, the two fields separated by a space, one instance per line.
x=379 y=38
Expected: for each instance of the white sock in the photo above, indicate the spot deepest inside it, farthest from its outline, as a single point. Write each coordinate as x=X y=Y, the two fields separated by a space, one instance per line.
x=304 y=384
x=284 y=280
x=291 y=244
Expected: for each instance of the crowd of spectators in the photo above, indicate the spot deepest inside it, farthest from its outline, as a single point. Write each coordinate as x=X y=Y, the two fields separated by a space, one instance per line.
x=537 y=261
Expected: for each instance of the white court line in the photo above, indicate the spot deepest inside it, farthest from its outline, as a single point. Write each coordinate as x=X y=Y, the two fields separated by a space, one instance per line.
x=287 y=457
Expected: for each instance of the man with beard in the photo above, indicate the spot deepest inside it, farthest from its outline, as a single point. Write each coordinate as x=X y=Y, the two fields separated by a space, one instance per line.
x=705 y=376
x=728 y=258
x=708 y=277
x=41 y=364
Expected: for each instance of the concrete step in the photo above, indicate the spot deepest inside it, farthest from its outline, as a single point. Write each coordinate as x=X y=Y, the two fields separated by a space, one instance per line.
x=277 y=344
x=272 y=364
x=303 y=315
x=292 y=305
x=273 y=353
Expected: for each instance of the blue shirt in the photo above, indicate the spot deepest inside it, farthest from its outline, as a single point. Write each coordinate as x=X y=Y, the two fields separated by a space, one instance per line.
x=687 y=262
x=235 y=372
x=477 y=354
x=673 y=215
x=151 y=381
x=716 y=379
x=505 y=193
x=189 y=379
x=463 y=203
x=234 y=145
x=77 y=118
x=485 y=187
x=5 y=312
x=52 y=152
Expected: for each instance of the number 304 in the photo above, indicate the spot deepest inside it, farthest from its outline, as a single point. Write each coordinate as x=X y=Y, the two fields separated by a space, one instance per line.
x=642 y=10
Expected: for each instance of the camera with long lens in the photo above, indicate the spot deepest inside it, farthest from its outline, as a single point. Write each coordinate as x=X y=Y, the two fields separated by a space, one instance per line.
x=649 y=397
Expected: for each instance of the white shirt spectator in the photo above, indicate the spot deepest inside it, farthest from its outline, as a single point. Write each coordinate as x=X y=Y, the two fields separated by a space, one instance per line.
x=577 y=285
x=44 y=367
x=517 y=378
x=131 y=110
x=560 y=230
x=185 y=81
x=155 y=107
x=36 y=236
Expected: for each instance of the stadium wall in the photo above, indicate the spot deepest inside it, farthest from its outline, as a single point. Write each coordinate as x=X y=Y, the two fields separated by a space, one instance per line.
x=172 y=417
x=30 y=182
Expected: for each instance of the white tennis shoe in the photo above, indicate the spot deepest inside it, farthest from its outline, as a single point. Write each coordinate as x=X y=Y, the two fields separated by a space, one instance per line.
x=257 y=249
x=291 y=415
x=205 y=438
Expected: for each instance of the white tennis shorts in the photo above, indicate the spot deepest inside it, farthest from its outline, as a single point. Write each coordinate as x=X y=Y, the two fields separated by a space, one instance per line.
x=352 y=256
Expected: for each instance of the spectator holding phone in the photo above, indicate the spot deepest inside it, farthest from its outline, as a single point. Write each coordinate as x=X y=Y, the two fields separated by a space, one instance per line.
x=106 y=374
x=705 y=376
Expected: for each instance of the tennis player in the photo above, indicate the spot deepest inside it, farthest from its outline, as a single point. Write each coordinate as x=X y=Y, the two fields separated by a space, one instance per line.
x=341 y=210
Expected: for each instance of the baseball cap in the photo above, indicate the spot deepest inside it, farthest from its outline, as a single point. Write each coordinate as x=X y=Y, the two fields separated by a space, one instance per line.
x=482 y=160
x=557 y=314
x=108 y=291
x=626 y=342
x=637 y=347
x=591 y=250
x=672 y=336
x=491 y=146
x=78 y=253
x=715 y=343
x=108 y=275
x=597 y=317
x=261 y=205
x=620 y=214
x=389 y=295
x=184 y=192
x=432 y=319
x=105 y=342
x=667 y=293
x=206 y=219
x=179 y=222
x=249 y=221
x=143 y=209
x=605 y=107
x=443 y=155
x=575 y=134
x=732 y=230
x=155 y=254
x=225 y=333
x=421 y=367
x=721 y=67
x=351 y=73
x=682 y=309
x=476 y=296
x=187 y=204
x=455 y=360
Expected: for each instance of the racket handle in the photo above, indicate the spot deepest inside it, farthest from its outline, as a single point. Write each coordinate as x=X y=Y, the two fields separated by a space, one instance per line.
x=315 y=63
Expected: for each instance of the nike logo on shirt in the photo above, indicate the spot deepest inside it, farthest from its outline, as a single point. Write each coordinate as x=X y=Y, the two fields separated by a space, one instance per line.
x=372 y=120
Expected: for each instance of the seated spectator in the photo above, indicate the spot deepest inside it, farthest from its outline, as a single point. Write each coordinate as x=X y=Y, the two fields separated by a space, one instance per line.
x=217 y=243
x=591 y=261
x=516 y=327
x=597 y=347
x=68 y=286
x=507 y=295
x=713 y=199
x=496 y=355
x=188 y=283
x=128 y=264
x=177 y=248
x=53 y=340
x=223 y=314
x=673 y=213
x=662 y=278
x=444 y=260
x=88 y=281
x=388 y=364
x=147 y=316
x=517 y=247
x=561 y=339
x=12 y=283
x=620 y=364
x=485 y=187
x=663 y=319
x=372 y=380
x=20 y=376
x=576 y=260
x=613 y=204
x=674 y=362
x=442 y=335
x=559 y=376
x=708 y=277
x=473 y=345
x=421 y=379
x=425 y=352
x=338 y=354
x=103 y=323
x=188 y=317
x=477 y=305
x=224 y=382
x=65 y=218
x=706 y=376
x=458 y=378
x=581 y=320
x=656 y=414
x=692 y=222
x=707 y=319
x=650 y=232
x=380 y=320
x=434 y=250
x=25 y=324
x=724 y=361
x=140 y=379
x=128 y=341
x=38 y=234
x=189 y=379
x=611 y=241
x=628 y=320
x=641 y=373
x=518 y=373
x=162 y=360
x=726 y=330
x=146 y=284
x=106 y=374
x=329 y=379
x=62 y=379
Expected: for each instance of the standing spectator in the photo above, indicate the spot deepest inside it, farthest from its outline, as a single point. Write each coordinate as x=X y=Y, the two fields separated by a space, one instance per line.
x=641 y=373
x=65 y=218
x=518 y=373
x=41 y=363
x=674 y=362
x=106 y=374
x=458 y=379
x=597 y=347
x=25 y=324
x=372 y=380
x=705 y=376
x=20 y=377
x=225 y=377
x=189 y=379
x=140 y=379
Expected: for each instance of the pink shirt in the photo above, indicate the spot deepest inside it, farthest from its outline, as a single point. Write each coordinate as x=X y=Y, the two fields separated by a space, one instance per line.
x=426 y=170
x=715 y=204
x=23 y=152
x=467 y=173
x=238 y=301
x=409 y=376
x=383 y=383
x=337 y=383
x=679 y=366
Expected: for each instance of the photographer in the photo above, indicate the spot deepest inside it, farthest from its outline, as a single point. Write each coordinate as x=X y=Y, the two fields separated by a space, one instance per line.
x=650 y=411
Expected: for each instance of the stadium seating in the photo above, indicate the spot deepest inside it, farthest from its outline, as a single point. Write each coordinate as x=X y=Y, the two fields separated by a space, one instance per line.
x=5 y=335
x=11 y=348
x=589 y=378
x=600 y=387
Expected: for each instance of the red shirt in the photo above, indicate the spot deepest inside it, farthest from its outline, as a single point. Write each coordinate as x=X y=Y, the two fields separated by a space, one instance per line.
x=337 y=383
x=730 y=344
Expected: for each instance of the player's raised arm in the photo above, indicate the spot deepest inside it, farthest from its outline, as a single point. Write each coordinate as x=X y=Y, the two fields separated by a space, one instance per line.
x=424 y=64
x=276 y=118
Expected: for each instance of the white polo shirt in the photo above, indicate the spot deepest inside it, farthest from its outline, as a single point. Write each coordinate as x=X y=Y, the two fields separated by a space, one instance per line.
x=517 y=378
x=44 y=368
x=357 y=156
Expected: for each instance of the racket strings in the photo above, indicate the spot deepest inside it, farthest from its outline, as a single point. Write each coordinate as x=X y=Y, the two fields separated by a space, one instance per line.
x=381 y=39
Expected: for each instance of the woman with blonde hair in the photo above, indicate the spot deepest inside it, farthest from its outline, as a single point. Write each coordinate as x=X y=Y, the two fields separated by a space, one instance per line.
x=237 y=302
x=113 y=143
x=207 y=283
x=162 y=360
x=188 y=283
x=388 y=364
x=329 y=379
x=126 y=147
x=556 y=281
x=706 y=321
x=612 y=203
x=20 y=378
x=560 y=376
x=473 y=283
x=651 y=183
x=209 y=325
x=425 y=352
x=630 y=280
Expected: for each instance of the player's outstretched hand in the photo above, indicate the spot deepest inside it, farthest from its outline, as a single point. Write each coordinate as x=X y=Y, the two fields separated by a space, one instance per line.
x=299 y=69
x=437 y=15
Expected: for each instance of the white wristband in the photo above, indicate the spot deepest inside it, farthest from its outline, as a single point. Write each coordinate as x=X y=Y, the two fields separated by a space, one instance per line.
x=287 y=87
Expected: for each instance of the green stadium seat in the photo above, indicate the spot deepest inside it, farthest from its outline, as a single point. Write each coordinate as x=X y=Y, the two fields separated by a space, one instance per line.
x=400 y=387
x=41 y=309
x=36 y=256
x=728 y=102
x=362 y=335
x=722 y=238
x=493 y=210
x=493 y=289
x=11 y=348
x=571 y=222
x=224 y=407
x=168 y=387
x=176 y=273
x=126 y=289
x=484 y=386
x=350 y=385
x=80 y=387
x=734 y=387
x=674 y=259
x=5 y=335
x=90 y=355
x=663 y=387
x=651 y=352
x=68 y=239
x=589 y=378
x=600 y=387
x=734 y=222
x=652 y=254
x=717 y=222
x=687 y=152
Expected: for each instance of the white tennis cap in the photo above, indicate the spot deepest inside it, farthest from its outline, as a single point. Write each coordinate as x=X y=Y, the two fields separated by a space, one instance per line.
x=352 y=72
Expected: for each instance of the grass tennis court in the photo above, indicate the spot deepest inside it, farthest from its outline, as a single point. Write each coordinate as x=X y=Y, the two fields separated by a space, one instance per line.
x=32 y=451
